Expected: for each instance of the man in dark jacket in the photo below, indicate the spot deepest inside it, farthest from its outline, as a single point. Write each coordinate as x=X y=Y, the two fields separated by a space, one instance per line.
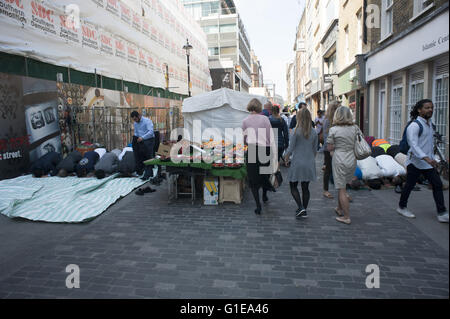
x=283 y=133
x=46 y=164
x=87 y=163
x=68 y=164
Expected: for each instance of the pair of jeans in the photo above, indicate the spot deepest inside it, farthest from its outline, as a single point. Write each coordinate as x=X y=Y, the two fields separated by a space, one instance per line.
x=413 y=174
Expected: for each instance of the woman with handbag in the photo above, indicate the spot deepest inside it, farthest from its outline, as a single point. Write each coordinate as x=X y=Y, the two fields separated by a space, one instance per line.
x=303 y=147
x=341 y=141
x=258 y=144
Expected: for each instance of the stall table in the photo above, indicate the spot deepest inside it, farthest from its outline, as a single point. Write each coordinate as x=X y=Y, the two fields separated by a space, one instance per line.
x=192 y=170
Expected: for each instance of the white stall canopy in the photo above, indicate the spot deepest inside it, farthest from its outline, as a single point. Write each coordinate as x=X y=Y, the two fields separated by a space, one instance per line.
x=218 y=110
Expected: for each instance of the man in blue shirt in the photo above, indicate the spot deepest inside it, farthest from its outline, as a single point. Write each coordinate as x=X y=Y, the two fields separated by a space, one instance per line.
x=143 y=143
x=421 y=160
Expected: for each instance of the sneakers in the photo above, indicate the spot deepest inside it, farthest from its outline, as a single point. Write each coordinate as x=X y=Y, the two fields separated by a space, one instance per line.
x=443 y=218
x=405 y=212
x=301 y=213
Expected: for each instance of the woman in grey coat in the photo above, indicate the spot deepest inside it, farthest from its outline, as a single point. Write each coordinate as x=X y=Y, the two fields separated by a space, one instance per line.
x=303 y=147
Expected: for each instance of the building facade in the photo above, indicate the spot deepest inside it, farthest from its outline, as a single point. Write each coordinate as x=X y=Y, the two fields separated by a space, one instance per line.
x=301 y=61
x=257 y=73
x=229 y=50
x=409 y=62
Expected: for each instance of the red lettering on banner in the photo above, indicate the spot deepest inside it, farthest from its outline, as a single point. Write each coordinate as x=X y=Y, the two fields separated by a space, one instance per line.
x=136 y=18
x=41 y=11
x=131 y=51
x=141 y=55
x=106 y=40
x=113 y=3
x=88 y=32
x=125 y=9
x=3 y=144
x=120 y=46
x=17 y=2
x=150 y=59
x=67 y=23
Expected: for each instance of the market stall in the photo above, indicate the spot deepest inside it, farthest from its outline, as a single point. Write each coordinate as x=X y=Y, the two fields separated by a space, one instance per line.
x=216 y=158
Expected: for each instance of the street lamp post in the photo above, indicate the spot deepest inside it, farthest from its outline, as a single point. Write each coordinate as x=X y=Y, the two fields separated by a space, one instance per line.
x=188 y=47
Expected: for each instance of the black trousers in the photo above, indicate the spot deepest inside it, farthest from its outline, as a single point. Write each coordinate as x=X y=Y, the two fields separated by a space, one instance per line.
x=413 y=174
x=143 y=151
x=328 y=170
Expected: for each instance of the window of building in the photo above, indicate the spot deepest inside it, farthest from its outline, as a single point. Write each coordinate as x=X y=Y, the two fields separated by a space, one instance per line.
x=359 y=39
x=347 y=49
x=211 y=29
x=395 y=131
x=381 y=108
x=386 y=18
x=440 y=98
x=421 y=6
x=228 y=28
x=213 y=51
x=228 y=50
x=416 y=87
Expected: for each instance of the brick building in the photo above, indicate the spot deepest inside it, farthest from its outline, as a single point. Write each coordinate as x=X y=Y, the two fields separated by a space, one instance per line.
x=408 y=62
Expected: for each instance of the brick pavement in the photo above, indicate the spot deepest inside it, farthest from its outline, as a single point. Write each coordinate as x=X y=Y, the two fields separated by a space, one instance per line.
x=144 y=248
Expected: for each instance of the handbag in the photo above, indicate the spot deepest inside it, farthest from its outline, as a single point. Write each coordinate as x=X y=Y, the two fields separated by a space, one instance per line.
x=362 y=149
x=276 y=179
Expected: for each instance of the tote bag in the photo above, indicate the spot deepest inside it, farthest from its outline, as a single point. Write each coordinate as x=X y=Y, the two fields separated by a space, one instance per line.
x=362 y=149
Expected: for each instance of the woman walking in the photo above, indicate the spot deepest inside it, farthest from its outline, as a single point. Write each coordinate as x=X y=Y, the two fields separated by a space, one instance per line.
x=341 y=144
x=280 y=125
x=251 y=127
x=327 y=123
x=303 y=147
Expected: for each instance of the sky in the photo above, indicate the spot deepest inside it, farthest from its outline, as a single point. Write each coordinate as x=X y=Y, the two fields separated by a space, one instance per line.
x=271 y=26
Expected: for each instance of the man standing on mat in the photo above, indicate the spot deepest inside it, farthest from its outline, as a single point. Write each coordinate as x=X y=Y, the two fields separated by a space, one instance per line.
x=143 y=144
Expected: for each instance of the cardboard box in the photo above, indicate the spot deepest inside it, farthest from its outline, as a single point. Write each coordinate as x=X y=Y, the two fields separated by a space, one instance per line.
x=211 y=191
x=164 y=149
x=231 y=190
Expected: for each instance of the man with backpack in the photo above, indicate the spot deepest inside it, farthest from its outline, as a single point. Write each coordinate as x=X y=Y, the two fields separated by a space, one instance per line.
x=418 y=143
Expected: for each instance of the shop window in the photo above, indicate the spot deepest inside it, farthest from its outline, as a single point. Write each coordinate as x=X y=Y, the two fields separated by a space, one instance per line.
x=440 y=99
x=395 y=129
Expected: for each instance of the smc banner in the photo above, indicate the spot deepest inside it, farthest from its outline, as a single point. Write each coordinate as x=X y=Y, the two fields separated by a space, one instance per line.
x=133 y=40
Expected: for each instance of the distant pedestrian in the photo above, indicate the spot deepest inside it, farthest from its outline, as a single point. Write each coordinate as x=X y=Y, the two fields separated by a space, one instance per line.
x=319 y=126
x=303 y=147
x=327 y=123
x=298 y=107
x=267 y=109
x=420 y=134
x=285 y=117
x=282 y=130
x=341 y=144
x=257 y=144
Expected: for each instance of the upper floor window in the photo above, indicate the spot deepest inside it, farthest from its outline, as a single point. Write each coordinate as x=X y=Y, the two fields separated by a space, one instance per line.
x=359 y=39
x=347 y=48
x=386 y=18
x=421 y=6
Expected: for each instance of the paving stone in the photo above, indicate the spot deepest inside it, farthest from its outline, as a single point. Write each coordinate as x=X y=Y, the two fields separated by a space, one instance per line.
x=180 y=251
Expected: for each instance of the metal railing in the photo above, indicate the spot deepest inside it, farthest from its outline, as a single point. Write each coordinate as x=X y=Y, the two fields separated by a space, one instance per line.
x=113 y=127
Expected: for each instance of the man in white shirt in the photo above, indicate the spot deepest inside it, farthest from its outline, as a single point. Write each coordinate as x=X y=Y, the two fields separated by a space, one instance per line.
x=421 y=159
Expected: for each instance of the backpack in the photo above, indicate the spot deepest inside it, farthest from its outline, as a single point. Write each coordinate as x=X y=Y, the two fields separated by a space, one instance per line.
x=404 y=146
